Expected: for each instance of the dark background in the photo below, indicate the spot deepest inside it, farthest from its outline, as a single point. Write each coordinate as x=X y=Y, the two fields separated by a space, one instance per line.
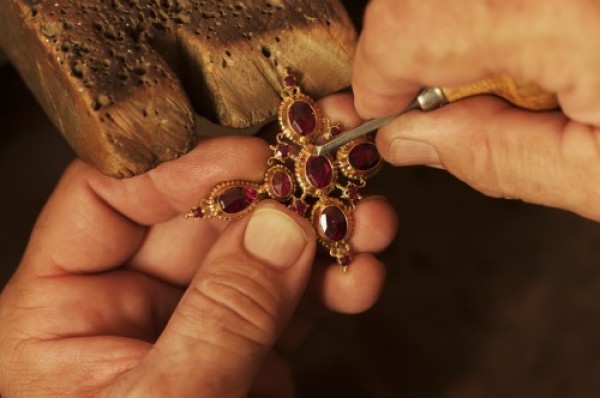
x=484 y=297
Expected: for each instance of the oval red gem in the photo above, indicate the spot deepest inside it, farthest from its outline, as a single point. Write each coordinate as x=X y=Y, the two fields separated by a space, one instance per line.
x=319 y=171
x=302 y=118
x=235 y=199
x=364 y=156
x=333 y=223
x=281 y=182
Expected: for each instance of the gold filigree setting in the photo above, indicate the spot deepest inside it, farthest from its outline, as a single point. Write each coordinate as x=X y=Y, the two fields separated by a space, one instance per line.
x=324 y=189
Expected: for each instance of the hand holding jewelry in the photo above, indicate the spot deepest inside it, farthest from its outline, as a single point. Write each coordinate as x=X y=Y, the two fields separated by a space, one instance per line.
x=324 y=189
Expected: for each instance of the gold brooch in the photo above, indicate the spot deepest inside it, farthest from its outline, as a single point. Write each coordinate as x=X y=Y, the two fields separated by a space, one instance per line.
x=324 y=189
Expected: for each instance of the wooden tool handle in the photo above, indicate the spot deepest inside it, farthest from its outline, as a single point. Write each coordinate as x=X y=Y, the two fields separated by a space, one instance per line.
x=520 y=93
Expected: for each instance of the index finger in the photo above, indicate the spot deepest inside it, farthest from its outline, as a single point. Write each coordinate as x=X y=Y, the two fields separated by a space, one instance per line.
x=93 y=223
x=406 y=45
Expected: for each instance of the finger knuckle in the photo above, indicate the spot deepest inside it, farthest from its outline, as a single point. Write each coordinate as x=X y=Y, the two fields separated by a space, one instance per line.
x=385 y=21
x=236 y=304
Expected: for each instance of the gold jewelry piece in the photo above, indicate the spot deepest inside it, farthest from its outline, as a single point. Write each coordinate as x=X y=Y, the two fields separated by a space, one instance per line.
x=324 y=189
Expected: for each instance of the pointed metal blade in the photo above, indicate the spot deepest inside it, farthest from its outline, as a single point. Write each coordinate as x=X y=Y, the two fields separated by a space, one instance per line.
x=359 y=131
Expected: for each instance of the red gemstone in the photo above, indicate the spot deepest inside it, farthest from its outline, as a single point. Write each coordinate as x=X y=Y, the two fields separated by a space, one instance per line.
x=281 y=182
x=235 y=199
x=283 y=151
x=364 y=156
x=345 y=261
x=335 y=131
x=299 y=206
x=197 y=212
x=302 y=118
x=319 y=171
x=333 y=223
x=289 y=81
x=353 y=192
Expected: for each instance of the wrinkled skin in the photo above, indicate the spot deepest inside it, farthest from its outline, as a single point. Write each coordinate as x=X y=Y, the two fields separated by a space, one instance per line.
x=550 y=158
x=119 y=295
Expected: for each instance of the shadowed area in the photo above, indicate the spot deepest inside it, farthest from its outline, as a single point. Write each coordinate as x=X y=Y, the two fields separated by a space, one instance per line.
x=485 y=298
x=32 y=157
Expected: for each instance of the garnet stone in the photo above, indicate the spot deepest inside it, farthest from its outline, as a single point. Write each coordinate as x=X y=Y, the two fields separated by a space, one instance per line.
x=335 y=131
x=302 y=117
x=319 y=171
x=333 y=223
x=353 y=192
x=345 y=261
x=364 y=157
x=197 y=212
x=289 y=81
x=281 y=183
x=299 y=206
x=283 y=151
x=236 y=199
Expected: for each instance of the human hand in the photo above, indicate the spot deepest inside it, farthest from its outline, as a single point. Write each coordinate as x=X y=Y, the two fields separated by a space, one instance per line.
x=119 y=295
x=550 y=158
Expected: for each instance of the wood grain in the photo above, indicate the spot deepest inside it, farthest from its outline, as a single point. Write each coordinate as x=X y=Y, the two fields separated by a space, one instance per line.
x=124 y=80
x=521 y=93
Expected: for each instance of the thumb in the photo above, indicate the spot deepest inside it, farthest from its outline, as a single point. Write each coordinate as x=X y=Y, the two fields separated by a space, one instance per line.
x=542 y=158
x=233 y=311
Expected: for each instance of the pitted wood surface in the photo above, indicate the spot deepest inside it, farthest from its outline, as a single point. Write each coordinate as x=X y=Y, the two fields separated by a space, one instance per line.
x=122 y=79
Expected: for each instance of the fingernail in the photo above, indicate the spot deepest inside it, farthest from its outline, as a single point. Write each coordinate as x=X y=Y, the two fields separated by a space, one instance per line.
x=274 y=237
x=406 y=152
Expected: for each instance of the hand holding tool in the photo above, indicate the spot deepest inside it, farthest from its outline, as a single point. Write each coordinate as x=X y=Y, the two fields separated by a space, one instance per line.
x=519 y=93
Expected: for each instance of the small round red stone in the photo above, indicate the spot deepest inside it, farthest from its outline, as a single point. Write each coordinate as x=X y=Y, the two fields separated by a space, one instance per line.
x=236 y=199
x=299 y=206
x=345 y=261
x=302 y=117
x=283 y=150
x=281 y=183
x=353 y=192
x=319 y=171
x=333 y=223
x=335 y=131
x=197 y=212
x=364 y=156
x=289 y=81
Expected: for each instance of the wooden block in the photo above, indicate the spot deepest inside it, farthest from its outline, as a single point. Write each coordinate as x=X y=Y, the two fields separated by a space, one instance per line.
x=124 y=80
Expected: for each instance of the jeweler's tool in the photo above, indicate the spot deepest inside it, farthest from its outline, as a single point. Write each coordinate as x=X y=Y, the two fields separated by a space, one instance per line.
x=519 y=93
